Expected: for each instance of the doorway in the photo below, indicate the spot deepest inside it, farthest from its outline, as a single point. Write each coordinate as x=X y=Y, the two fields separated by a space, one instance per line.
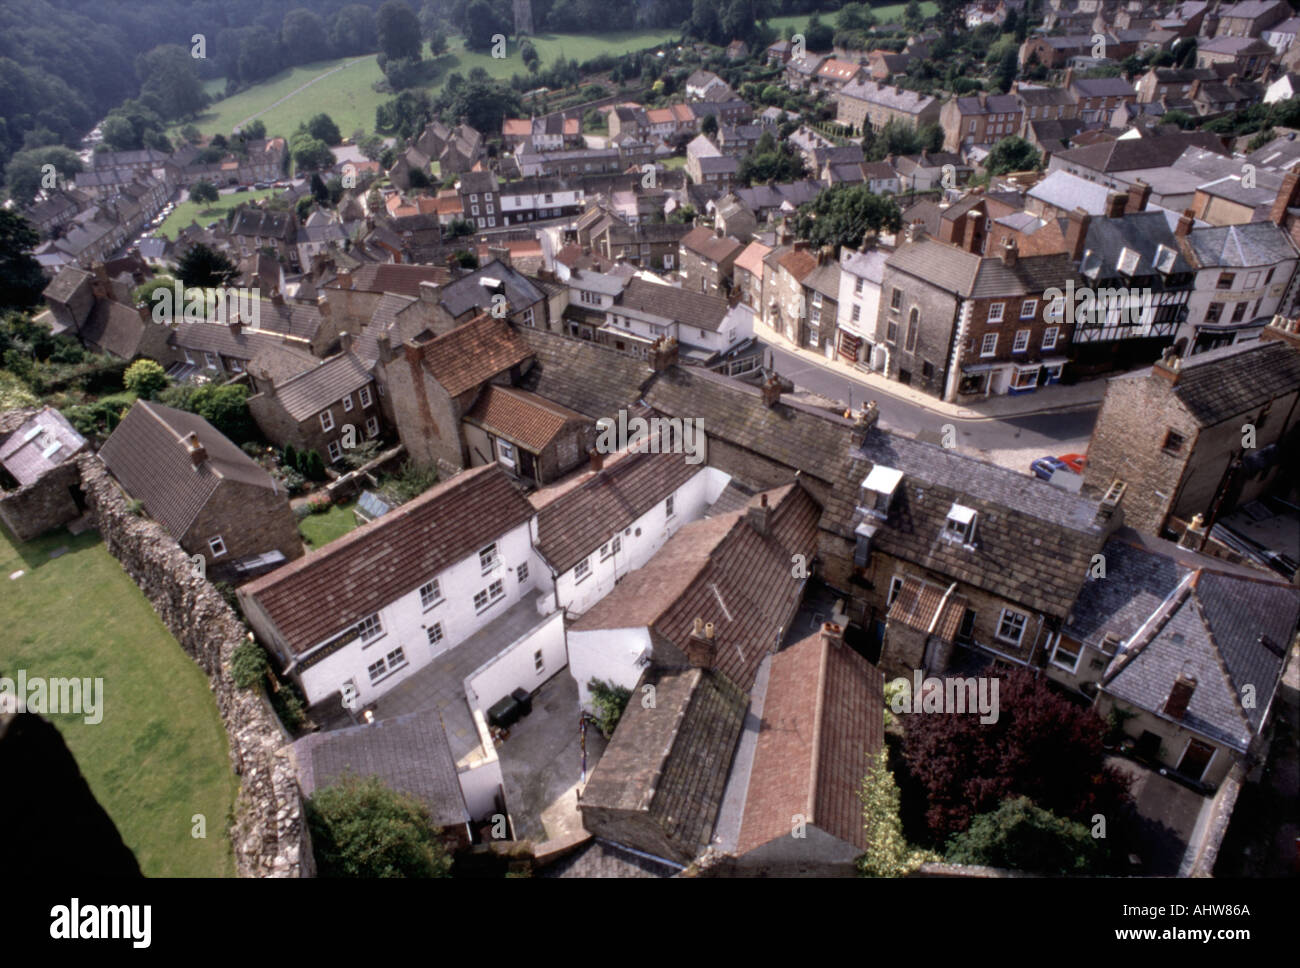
x=1195 y=759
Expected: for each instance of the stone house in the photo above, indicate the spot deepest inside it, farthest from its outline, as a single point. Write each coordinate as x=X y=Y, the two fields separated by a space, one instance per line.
x=747 y=273
x=1247 y=56
x=1098 y=97
x=209 y=495
x=864 y=104
x=981 y=119
x=43 y=487
x=533 y=439
x=1176 y=432
x=707 y=260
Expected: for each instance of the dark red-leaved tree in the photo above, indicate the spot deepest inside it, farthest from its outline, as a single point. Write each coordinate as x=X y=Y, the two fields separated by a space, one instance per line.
x=1042 y=746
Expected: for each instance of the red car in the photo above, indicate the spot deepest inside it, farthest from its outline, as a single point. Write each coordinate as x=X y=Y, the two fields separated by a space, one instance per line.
x=1076 y=462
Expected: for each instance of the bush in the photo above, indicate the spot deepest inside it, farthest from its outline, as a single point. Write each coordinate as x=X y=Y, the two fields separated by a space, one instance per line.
x=293 y=482
x=289 y=457
x=609 y=701
x=145 y=378
x=409 y=482
x=311 y=465
x=319 y=504
x=362 y=828
x=289 y=706
x=248 y=665
x=1021 y=836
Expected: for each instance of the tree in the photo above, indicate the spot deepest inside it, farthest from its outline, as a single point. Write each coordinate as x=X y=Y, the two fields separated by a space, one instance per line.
x=310 y=153
x=1021 y=836
x=1012 y=154
x=888 y=853
x=259 y=57
x=21 y=281
x=322 y=128
x=709 y=125
x=437 y=44
x=769 y=162
x=205 y=267
x=248 y=665
x=399 y=31
x=362 y=828
x=1041 y=746
x=303 y=36
x=913 y=17
x=531 y=59
x=204 y=191
x=311 y=465
x=28 y=175
x=145 y=378
x=226 y=408
x=480 y=25
x=843 y=214
x=254 y=130
x=170 y=82
x=353 y=31
x=819 y=36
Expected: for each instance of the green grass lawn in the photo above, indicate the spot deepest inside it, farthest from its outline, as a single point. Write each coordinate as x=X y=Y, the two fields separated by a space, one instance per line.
x=205 y=213
x=320 y=529
x=885 y=13
x=348 y=95
x=160 y=754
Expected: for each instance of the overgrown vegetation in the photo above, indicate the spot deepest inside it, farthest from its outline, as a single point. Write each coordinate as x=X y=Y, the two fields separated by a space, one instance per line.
x=888 y=853
x=609 y=701
x=362 y=828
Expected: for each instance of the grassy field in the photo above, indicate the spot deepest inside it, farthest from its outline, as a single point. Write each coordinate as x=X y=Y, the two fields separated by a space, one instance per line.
x=320 y=529
x=160 y=755
x=344 y=88
x=205 y=213
x=885 y=13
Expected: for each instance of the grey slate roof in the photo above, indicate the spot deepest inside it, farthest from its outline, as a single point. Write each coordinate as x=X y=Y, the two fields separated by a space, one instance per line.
x=310 y=392
x=469 y=292
x=43 y=441
x=1227 y=382
x=1141 y=232
x=1240 y=246
x=408 y=753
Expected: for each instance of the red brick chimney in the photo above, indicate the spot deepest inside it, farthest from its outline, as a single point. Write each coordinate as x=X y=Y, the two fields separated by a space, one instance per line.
x=771 y=388
x=1115 y=203
x=1286 y=198
x=1180 y=695
x=1185 y=223
x=1281 y=328
x=700 y=646
x=663 y=354
x=1169 y=366
x=597 y=460
x=1076 y=233
x=1010 y=252
x=198 y=453
x=1139 y=193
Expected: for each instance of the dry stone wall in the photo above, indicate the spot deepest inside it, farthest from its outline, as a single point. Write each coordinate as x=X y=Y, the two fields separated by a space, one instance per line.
x=269 y=832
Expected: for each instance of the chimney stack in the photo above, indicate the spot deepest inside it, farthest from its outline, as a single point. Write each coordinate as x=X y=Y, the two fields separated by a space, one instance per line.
x=1010 y=252
x=597 y=460
x=1286 y=198
x=700 y=646
x=1193 y=534
x=663 y=354
x=1185 y=223
x=1115 y=203
x=385 y=345
x=1169 y=366
x=501 y=253
x=832 y=633
x=236 y=326
x=867 y=418
x=198 y=453
x=1076 y=233
x=760 y=517
x=345 y=279
x=345 y=342
x=1281 y=328
x=771 y=389
x=1180 y=695
x=1139 y=193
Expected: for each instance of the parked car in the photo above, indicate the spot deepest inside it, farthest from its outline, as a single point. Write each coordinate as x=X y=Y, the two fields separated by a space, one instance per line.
x=1076 y=462
x=260 y=186
x=1045 y=467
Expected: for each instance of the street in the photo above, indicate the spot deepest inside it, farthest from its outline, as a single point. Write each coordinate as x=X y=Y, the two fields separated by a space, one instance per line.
x=1052 y=433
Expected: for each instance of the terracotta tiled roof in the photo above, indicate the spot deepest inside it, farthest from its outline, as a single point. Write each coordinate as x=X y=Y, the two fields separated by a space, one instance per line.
x=472 y=354
x=798 y=262
x=522 y=417
x=917 y=603
x=751 y=260
x=823 y=716
x=324 y=593
x=402 y=279
x=713 y=247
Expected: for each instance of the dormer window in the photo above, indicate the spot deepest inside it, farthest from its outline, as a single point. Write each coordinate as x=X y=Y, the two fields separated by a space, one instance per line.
x=960 y=525
x=878 y=489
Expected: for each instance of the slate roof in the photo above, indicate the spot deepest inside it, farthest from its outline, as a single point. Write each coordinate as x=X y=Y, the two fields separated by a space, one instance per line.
x=263 y=224
x=671 y=762
x=1130 y=154
x=1103 y=87
x=307 y=394
x=148 y=456
x=408 y=753
x=823 y=717
x=212 y=337
x=696 y=309
x=584 y=376
x=1067 y=192
x=302 y=320
x=279 y=362
x=1227 y=382
x=328 y=591
x=579 y=521
x=521 y=417
x=721 y=570
x=471 y=292
x=66 y=284
x=1141 y=232
x=30 y=450
x=472 y=354
x=1239 y=246
x=115 y=328
x=888 y=95
x=1227 y=632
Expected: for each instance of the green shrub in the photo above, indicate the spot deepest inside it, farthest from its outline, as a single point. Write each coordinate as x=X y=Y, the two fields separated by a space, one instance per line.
x=136 y=507
x=319 y=504
x=609 y=701
x=290 y=457
x=362 y=828
x=248 y=665
x=289 y=706
x=145 y=378
x=312 y=467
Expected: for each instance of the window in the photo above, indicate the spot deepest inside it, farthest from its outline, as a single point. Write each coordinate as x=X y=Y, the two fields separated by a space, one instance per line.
x=377 y=669
x=1174 y=441
x=364 y=395
x=582 y=569
x=497 y=590
x=1226 y=280
x=1011 y=626
x=1028 y=308
x=610 y=548
x=1269 y=278
x=372 y=427
x=236 y=366
x=1239 y=313
x=522 y=572
x=1252 y=280
x=487 y=558
x=913 y=324
x=370 y=628
x=896 y=299
x=435 y=633
x=1066 y=654
x=539 y=661
x=212 y=360
x=490 y=209
x=1214 y=313
x=188 y=359
x=528 y=317
x=217 y=545
x=668 y=505
x=891 y=332
x=474 y=209
x=396 y=659
x=335 y=451
x=857 y=286
x=327 y=420
x=347 y=403
x=995 y=312
x=966 y=631
x=895 y=586
x=1049 y=337
x=430 y=594
x=960 y=524
x=1022 y=341
x=857 y=314
x=989 y=346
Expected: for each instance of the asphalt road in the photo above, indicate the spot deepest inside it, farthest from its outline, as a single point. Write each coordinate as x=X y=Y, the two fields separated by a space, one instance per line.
x=1053 y=433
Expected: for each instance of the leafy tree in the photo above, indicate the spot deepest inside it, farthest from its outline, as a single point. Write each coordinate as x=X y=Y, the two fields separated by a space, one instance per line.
x=769 y=161
x=609 y=701
x=26 y=173
x=170 y=82
x=145 y=378
x=353 y=31
x=405 y=115
x=311 y=466
x=322 y=128
x=819 y=36
x=1021 y=836
x=483 y=102
x=1041 y=746
x=291 y=457
x=709 y=125
x=310 y=153
x=843 y=214
x=260 y=56
x=205 y=267
x=1012 y=154
x=466 y=259
x=21 y=281
x=437 y=43
x=1181 y=119
x=362 y=828
x=531 y=59
x=399 y=31
x=303 y=37
x=481 y=23
x=913 y=17
x=888 y=853
x=204 y=191
x=226 y=408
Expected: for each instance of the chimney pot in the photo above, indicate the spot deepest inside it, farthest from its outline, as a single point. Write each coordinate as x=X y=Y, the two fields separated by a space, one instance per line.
x=198 y=453
x=597 y=459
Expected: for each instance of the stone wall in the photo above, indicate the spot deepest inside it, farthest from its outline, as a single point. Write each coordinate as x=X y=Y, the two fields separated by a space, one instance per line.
x=269 y=833
x=47 y=503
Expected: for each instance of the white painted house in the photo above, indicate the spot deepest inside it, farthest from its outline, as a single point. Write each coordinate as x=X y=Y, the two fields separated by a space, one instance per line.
x=861 y=275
